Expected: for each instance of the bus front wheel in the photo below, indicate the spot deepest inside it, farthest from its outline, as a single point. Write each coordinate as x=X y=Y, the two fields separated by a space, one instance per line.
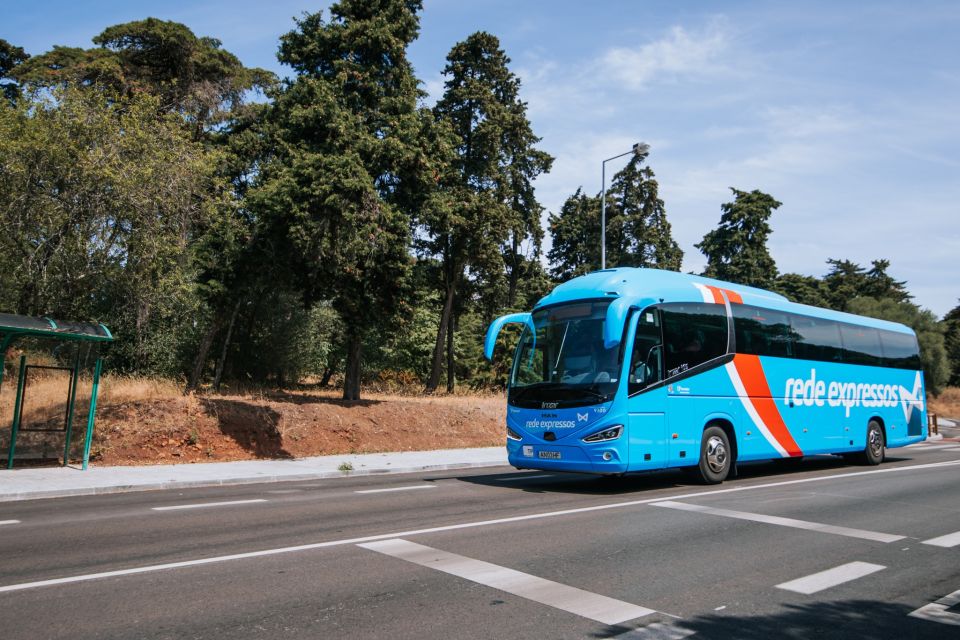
x=873 y=452
x=715 y=456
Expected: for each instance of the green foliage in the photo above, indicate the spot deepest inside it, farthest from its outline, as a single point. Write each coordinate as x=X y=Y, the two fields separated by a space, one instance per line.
x=638 y=232
x=737 y=249
x=847 y=280
x=190 y=75
x=951 y=323
x=803 y=289
x=10 y=57
x=930 y=334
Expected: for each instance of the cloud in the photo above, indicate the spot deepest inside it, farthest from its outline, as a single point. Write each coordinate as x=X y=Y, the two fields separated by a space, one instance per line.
x=679 y=53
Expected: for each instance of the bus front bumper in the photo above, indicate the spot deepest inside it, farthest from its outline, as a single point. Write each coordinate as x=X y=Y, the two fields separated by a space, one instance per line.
x=604 y=458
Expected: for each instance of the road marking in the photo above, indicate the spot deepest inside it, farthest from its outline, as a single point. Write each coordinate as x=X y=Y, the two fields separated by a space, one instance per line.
x=783 y=522
x=9 y=522
x=830 y=578
x=528 y=477
x=656 y=631
x=560 y=596
x=937 y=611
x=931 y=447
x=419 y=486
x=201 y=505
x=947 y=541
x=451 y=527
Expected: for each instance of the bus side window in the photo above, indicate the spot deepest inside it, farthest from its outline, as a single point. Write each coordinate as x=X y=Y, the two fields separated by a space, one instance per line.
x=693 y=333
x=646 y=367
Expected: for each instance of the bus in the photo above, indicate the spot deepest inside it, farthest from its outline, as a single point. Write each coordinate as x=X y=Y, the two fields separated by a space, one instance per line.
x=631 y=370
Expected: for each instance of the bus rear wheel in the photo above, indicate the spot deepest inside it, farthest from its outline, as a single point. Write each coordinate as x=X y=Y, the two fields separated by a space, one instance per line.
x=715 y=456
x=873 y=453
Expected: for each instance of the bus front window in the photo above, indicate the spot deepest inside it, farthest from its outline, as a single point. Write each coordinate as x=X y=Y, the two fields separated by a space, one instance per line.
x=564 y=361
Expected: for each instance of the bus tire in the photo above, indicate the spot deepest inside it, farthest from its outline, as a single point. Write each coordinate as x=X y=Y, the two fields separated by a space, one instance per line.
x=873 y=453
x=715 y=456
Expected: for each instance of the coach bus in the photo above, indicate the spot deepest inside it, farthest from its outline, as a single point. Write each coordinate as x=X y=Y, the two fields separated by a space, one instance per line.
x=628 y=370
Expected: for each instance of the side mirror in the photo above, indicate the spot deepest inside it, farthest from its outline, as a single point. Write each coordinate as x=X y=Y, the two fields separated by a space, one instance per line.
x=493 y=330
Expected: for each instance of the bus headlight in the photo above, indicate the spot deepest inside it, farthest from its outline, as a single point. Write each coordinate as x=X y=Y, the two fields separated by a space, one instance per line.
x=513 y=435
x=608 y=434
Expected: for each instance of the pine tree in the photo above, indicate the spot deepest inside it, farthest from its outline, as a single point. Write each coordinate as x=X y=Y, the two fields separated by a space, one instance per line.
x=952 y=339
x=576 y=237
x=491 y=209
x=737 y=249
x=346 y=128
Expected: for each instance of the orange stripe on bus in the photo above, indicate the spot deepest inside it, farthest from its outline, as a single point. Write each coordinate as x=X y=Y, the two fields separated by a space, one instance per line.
x=758 y=392
x=733 y=296
x=717 y=296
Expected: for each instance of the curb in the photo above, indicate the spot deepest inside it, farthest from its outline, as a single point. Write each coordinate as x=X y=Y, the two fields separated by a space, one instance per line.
x=225 y=482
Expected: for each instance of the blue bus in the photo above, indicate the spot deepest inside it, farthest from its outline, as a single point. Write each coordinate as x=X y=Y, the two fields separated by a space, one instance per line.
x=628 y=370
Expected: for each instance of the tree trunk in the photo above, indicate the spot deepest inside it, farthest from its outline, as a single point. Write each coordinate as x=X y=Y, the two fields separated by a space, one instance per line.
x=514 y=273
x=437 y=365
x=450 y=355
x=351 y=377
x=325 y=378
x=226 y=345
x=202 y=352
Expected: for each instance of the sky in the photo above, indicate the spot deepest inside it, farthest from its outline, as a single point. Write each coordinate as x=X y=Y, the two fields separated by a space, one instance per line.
x=846 y=112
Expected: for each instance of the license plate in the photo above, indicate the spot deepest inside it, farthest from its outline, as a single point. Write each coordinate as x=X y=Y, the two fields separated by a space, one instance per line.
x=549 y=455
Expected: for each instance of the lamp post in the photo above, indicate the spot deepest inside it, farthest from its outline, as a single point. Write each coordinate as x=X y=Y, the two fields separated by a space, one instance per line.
x=639 y=149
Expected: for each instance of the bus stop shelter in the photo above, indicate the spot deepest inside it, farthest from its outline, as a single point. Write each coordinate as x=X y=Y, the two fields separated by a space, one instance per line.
x=79 y=334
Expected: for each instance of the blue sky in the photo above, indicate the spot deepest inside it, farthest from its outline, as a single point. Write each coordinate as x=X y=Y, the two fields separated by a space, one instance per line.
x=847 y=112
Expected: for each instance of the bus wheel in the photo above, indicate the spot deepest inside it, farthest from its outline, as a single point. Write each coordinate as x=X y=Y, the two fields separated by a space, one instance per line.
x=873 y=453
x=715 y=458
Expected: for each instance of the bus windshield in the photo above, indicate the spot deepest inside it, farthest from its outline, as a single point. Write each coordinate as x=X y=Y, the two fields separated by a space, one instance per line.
x=564 y=362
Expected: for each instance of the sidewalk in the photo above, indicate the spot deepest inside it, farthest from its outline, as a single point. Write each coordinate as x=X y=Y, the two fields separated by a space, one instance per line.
x=58 y=482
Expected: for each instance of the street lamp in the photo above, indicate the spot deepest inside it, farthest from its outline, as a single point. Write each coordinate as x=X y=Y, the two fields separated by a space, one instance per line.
x=639 y=149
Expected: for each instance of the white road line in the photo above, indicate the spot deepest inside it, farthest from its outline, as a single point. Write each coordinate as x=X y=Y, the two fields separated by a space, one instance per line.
x=515 y=478
x=783 y=522
x=656 y=631
x=930 y=447
x=937 y=611
x=9 y=522
x=451 y=527
x=831 y=577
x=419 y=486
x=201 y=505
x=947 y=541
x=560 y=596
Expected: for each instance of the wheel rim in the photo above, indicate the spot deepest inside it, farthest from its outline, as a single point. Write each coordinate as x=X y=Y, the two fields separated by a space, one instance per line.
x=875 y=442
x=716 y=454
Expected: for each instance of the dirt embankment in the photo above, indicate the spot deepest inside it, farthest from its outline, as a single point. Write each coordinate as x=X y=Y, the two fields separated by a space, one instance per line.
x=143 y=421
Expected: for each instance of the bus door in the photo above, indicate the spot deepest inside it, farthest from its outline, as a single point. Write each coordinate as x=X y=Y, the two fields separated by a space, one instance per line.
x=647 y=428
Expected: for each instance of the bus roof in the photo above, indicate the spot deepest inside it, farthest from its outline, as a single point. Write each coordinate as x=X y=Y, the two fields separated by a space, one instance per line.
x=655 y=285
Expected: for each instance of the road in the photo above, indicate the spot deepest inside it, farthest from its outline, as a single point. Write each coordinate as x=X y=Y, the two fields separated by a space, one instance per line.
x=820 y=548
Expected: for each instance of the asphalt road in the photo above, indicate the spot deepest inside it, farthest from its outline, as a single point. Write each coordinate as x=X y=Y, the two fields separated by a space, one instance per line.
x=816 y=549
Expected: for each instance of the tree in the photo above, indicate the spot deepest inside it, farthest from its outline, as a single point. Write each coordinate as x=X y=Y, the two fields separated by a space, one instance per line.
x=10 y=57
x=847 y=280
x=638 y=232
x=930 y=334
x=951 y=322
x=803 y=289
x=491 y=208
x=191 y=75
x=737 y=249
x=346 y=133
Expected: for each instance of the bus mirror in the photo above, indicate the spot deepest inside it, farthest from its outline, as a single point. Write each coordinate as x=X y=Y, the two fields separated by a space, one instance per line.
x=613 y=325
x=494 y=330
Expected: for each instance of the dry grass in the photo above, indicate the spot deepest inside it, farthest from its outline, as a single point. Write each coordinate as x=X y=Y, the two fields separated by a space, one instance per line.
x=947 y=404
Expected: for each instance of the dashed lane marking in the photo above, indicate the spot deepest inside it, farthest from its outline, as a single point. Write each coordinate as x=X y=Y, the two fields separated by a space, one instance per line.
x=656 y=631
x=937 y=611
x=830 y=578
x=391 y=489
x=9 y=522
x=560 y=596
x=947 y=541
x=779 y=521
x=202 y=505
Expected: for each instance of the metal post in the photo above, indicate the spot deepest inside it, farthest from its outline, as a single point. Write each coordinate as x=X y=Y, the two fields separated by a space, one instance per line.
x=70 y=404
x=92 y=412
x=17 y=406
